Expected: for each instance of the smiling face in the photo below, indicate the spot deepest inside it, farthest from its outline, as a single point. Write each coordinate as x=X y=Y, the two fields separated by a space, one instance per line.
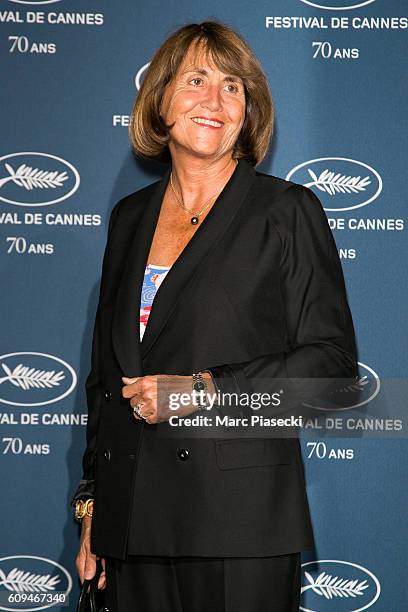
x=206 y=106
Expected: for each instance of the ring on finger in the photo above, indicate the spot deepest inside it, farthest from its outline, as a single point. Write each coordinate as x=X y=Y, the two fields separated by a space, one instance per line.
x=136 y=410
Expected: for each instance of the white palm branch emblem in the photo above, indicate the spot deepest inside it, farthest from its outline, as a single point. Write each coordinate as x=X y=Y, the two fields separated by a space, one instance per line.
x=359 y=383
x=32 y=178
x=20 y=581
x=328 y=586
x=333 y=183
x=26 y=378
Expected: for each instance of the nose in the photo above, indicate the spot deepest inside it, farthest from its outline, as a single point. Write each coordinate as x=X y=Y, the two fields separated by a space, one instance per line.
x=212 y=98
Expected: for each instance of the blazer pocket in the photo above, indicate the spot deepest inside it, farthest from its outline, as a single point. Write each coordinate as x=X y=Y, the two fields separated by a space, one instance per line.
x=236 y=454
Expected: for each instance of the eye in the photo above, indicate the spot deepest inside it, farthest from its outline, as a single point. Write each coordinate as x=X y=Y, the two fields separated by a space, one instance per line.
x=195 y=79
x=234 y=89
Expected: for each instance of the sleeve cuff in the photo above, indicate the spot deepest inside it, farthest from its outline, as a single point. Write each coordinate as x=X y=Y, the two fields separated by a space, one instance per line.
x=224 y=379
x=226 y=384
x=85 y=490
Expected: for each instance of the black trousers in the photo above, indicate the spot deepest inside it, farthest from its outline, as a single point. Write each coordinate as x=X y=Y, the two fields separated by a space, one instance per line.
x=199 y=584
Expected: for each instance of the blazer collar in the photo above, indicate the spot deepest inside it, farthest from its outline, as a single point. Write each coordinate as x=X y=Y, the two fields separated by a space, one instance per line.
x=126 y=327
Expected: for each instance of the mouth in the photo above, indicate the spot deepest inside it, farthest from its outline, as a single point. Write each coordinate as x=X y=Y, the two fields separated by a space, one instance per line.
x=210 y=123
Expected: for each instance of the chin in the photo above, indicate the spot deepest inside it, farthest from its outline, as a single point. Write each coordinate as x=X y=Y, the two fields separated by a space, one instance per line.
x=205 y=151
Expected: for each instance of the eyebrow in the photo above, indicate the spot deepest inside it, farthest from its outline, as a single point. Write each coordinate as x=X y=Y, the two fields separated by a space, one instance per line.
x=205 y=72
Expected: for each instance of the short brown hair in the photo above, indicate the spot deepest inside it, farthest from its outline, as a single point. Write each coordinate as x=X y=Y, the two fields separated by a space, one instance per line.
x=148 y=132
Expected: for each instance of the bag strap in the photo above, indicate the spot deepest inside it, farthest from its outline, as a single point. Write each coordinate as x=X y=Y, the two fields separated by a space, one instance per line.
x=84 y=596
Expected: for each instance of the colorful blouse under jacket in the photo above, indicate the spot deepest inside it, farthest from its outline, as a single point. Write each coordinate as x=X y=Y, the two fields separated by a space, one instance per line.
x=153 y=277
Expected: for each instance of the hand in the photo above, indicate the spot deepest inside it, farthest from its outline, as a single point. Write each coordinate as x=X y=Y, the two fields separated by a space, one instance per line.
x=86 y=560
x=143 y=390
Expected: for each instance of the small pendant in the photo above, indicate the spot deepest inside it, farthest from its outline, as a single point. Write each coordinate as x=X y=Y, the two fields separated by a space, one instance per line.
x=194 y=220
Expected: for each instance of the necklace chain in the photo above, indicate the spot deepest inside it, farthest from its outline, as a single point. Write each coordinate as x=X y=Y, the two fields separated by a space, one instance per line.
x=194 y=218
x=184 y=207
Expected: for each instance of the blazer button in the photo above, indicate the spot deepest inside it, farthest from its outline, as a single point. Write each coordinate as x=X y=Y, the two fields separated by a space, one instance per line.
x=108 y=395
x=107 y=454
x=182 y=454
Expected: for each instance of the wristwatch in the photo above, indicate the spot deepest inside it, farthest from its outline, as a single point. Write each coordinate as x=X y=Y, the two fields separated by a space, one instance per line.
x=199 y=385
x=83 y=508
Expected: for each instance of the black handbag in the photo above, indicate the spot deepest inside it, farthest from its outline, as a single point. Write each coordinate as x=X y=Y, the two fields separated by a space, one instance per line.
x=91 y=601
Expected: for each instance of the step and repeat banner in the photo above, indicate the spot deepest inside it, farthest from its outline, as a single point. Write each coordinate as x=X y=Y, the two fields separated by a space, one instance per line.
x=70 y=70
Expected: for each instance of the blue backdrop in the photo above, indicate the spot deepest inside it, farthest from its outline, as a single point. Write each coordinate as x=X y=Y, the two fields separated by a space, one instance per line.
x=69 y=75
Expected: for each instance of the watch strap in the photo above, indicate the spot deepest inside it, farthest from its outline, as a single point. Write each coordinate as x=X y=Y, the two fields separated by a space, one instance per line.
x=198 y=377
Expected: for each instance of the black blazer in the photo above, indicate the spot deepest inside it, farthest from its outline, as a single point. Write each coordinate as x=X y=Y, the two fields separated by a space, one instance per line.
x=257 y=292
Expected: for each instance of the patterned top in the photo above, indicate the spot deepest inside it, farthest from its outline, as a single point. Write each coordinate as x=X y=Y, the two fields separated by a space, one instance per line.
x=153 y=278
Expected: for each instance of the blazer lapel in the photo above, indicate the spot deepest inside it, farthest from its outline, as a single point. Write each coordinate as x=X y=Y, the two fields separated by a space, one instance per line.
x=126 y=327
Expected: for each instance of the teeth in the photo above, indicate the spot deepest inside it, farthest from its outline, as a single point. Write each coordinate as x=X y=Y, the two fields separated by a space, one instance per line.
x=207 y=122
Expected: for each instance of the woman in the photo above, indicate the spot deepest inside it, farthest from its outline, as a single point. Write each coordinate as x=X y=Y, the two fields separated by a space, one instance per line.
x=249 y=286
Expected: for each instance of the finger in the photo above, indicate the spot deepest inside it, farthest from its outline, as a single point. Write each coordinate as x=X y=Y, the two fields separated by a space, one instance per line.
x=143 y=418
x=102 y=577
x=135 y=405
x=134 y=411
x=90 y=567
x=80 y=565
x=150 y=418
x=131 y=390
x=130 y=381
x=144 y=410
x=102 y=580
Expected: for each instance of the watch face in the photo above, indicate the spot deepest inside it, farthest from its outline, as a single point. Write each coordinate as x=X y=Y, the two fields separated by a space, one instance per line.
x=199 y=386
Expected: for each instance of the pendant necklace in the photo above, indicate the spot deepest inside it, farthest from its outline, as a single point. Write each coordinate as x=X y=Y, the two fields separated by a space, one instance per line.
x=195 y=218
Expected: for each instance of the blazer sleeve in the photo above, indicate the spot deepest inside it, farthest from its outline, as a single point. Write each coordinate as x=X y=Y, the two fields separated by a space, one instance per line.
x=319 y=327
x=85 y=488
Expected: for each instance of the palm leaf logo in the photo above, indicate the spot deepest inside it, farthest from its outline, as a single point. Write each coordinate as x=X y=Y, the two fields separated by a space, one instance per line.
x=332 y=183
x=19 y=581
x=358 y=385
x=33 y=178
x=328 y=586
x=26 y=378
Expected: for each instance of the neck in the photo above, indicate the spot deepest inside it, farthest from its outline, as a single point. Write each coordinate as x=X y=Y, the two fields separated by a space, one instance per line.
x=197 y=180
